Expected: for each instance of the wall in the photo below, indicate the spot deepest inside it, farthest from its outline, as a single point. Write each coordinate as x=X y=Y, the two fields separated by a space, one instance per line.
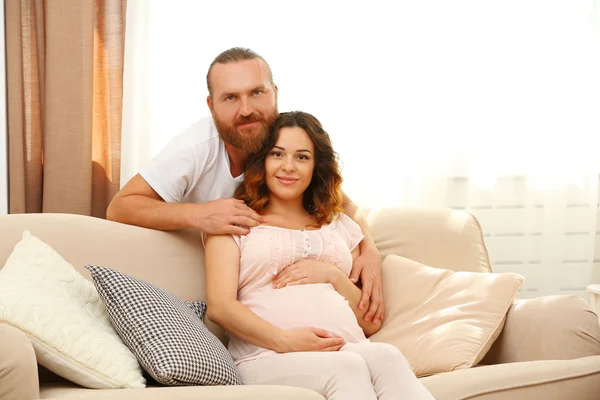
x=3 y=134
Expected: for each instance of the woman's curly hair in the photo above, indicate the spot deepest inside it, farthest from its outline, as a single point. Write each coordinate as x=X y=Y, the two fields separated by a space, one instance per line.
x=323 y=197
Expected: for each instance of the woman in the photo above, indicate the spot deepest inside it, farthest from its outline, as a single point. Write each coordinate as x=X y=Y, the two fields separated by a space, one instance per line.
x=282 y=291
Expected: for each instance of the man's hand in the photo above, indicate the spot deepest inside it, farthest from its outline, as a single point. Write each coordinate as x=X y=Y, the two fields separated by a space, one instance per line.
x=367 y=266
x=304 y=272
x=310 y=339
x=224 y=216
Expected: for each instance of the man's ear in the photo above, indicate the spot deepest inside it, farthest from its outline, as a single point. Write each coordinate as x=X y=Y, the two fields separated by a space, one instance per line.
x=276 y=89
x=208 y=101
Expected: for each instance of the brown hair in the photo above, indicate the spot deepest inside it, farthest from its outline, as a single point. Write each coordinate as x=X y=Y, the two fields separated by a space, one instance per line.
x=323 y=196
x=235 y=54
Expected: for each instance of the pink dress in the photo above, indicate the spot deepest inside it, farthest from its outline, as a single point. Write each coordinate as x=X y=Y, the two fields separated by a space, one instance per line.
x=265 y=251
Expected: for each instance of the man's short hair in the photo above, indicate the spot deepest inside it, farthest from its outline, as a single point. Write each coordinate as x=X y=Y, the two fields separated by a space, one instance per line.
x=235 y=54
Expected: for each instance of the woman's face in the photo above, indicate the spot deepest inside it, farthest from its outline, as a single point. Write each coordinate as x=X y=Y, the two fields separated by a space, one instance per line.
x=290 y=163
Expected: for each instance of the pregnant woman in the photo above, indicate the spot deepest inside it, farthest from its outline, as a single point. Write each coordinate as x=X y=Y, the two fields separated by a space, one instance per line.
x=283 y=293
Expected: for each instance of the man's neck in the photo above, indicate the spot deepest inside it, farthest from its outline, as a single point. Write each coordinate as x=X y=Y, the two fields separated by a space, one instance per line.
x=237 y=160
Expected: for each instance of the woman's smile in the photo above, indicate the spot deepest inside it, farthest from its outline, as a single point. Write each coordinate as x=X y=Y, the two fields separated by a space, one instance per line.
x=286 y=181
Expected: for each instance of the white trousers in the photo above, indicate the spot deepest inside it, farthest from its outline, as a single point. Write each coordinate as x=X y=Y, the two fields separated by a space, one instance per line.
x=365 y=371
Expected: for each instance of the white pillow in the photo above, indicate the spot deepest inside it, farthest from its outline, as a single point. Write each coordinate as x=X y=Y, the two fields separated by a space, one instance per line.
x=61 y=313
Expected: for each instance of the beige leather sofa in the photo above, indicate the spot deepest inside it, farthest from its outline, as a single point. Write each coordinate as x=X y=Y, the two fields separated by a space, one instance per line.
x=549 y=348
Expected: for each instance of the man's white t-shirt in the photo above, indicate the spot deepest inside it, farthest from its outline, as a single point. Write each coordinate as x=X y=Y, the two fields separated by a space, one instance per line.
x=193 y=168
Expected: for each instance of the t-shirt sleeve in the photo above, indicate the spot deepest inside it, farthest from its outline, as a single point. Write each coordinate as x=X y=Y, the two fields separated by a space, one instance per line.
x=172 y=171
x=349 y=231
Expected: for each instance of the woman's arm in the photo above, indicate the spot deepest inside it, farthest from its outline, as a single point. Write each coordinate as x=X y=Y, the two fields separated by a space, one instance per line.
x=344 y=286
x=222 y=275
x=311 y=271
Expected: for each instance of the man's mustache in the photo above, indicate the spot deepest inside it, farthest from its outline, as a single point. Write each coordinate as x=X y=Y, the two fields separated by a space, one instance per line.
x=247 y=119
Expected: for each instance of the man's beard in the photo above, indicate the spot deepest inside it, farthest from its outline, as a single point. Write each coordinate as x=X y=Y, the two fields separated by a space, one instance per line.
x=249 y=139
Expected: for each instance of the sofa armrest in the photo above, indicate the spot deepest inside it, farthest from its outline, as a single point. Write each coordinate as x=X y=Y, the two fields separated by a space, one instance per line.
x=561 y=327
x=18 y=366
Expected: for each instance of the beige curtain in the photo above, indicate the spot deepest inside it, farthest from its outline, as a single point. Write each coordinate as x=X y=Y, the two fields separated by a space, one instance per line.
x=64 y=83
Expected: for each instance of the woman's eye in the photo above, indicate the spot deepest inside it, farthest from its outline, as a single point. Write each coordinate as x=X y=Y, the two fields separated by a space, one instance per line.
x=302 y=157
x=276 y=153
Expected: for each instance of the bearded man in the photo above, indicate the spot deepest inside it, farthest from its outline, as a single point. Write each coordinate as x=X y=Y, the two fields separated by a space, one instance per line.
x=190 y=183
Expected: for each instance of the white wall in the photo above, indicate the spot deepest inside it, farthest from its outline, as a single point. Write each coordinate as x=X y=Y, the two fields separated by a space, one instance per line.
x=3 y=137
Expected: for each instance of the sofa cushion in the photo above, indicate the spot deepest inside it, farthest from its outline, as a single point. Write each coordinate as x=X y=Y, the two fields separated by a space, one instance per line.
x=65 y=391
x=442 y=320
x=167 y=335
x=60 y=311
x=577 y=379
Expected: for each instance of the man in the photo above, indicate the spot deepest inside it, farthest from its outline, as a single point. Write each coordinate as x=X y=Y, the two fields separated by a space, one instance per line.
x=189 y=184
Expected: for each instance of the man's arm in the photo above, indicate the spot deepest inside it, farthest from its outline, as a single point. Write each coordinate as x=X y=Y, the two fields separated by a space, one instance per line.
x=138 y=204
x=367 y=266
x=352 y=210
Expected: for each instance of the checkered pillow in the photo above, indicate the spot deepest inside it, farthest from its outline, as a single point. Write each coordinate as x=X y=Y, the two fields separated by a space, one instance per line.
x=166 y=334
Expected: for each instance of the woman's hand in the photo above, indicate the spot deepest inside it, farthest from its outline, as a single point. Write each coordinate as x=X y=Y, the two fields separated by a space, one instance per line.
x=306 y=271
x=310 y=339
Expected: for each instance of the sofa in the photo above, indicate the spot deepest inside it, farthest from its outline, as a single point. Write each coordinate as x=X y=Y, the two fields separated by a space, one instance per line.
x=549 y=347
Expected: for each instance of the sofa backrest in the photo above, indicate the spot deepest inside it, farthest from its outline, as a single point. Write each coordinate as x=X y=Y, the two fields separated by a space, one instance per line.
x=437 y=237
x=174 y=261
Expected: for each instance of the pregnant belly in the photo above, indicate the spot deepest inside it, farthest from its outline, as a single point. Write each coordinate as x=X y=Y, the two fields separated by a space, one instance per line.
x=314 y=305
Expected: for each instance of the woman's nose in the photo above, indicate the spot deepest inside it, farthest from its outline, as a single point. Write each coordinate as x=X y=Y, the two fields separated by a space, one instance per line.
x=288 y=164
